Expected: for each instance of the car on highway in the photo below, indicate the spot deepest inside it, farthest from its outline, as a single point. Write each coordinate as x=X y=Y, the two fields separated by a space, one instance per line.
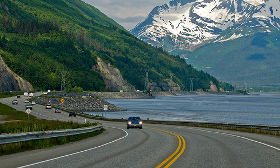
x=57 y=110
x=33 y=103
x=14 y=102
x=72 y=113
x=28 y=106
x=48 y=106
x=26 y=101
x=18 y=96
x=134 y=122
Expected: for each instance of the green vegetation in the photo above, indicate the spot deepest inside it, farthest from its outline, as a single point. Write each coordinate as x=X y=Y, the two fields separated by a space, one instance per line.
x=17 y=122
x=9 y=94
x=7 y=149
x=22 y=124
x=39 y=125
x=247 y=60
x=40 y=39
x=9 y=114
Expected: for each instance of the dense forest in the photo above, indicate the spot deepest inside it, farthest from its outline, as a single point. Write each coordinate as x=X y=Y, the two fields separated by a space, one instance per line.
x=41 y=39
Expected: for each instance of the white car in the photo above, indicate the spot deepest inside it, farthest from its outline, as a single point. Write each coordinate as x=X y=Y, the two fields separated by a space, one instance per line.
x=49 y=106
x=26 y=101
x=33 y=102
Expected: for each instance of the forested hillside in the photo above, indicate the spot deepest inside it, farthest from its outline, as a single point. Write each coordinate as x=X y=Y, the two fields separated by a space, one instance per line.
x=40 y=39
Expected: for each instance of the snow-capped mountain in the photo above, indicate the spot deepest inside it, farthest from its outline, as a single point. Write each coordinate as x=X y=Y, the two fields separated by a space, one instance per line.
x=185 y=24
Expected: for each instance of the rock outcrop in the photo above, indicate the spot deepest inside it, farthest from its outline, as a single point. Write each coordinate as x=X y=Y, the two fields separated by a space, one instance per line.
x=213 y=87
x=9 y=81
x=112 y=77
x=87 y=104
x=104 y=95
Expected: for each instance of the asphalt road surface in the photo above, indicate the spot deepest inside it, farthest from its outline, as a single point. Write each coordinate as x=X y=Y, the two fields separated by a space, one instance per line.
x=155 y=145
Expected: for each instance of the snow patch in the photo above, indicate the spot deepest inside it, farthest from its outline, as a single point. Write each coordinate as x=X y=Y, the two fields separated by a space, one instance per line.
x=255 y=2
x=232 y=37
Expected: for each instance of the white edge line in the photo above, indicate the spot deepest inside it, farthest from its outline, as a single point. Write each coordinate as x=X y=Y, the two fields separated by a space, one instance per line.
x=237 y=136
x=56 y=158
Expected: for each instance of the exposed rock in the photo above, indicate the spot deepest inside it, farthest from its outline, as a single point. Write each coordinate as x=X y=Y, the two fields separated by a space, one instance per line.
x=4 y=7
x=9 y=81
x=104 y=95
x=213 y=87
x=112 y=77
x=78 y=104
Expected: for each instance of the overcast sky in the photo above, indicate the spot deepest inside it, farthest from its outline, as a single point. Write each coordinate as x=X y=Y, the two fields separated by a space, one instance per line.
x=127 y=13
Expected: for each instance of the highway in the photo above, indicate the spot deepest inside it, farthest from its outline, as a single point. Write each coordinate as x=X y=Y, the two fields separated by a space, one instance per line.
x=155 y=145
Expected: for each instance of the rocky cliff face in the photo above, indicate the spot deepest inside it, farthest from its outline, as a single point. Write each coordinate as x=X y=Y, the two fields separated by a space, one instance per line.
x=112 y=77
x=9 y=81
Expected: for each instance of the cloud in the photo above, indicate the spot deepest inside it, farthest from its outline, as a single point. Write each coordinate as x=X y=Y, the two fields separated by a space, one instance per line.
x=127 y=13
x=129 y=22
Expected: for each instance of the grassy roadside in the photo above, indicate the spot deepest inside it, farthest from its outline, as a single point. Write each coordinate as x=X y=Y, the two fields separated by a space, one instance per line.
x=10 y=114
x=7 y=149
x=14 y=121
x=10 y=94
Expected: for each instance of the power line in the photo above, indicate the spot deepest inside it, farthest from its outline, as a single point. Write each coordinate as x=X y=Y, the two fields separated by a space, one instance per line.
x=191 y=85
x=147 y=78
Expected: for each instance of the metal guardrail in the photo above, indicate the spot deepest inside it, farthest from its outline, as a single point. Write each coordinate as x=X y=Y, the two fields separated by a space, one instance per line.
x=12 y=138
x=254 y=126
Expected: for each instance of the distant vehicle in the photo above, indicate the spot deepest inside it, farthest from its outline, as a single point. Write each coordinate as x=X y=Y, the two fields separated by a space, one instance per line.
x=28 y=106
x=14 y=102
x=18 y=96
x=45 y=93
x=25 y=94
x=48 y=106
x=30 y=94
x=57 y=110
x=26 y=101
x=72 y=113
x=33 y=103
x=134 y=122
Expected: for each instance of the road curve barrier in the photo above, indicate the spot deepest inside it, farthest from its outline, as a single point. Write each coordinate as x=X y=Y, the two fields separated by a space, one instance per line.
x=253 y=126
x=27 y=136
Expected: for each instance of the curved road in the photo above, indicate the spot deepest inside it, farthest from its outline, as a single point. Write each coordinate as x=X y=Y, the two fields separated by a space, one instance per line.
x=154 y=146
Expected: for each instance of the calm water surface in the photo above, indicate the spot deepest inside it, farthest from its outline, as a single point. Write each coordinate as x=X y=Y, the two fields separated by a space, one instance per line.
x=250 y=109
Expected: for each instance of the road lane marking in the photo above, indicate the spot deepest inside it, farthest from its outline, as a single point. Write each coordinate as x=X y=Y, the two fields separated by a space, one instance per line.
x=241 y=137
x=179 y=151
x=71 y=154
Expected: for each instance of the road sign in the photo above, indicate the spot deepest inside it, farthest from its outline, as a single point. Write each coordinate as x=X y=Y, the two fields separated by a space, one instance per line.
x=28 y=111
x=105 y=107
x=62 y=100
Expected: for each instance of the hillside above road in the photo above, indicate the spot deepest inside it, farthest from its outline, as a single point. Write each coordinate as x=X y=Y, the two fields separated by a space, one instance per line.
x=70 y=45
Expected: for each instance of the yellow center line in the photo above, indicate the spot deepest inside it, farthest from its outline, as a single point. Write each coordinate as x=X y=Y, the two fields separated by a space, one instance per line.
x=182 y=151
x=181 y=146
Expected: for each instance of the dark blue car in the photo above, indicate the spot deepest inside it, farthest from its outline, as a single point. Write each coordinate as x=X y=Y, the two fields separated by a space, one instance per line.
x=134 y=122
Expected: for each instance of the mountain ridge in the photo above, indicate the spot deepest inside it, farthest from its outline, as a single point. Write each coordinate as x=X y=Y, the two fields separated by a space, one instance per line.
x=186 y=28
x=40 y=39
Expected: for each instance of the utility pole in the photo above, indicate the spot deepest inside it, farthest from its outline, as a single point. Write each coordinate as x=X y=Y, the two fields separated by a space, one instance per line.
x=246 y=89
x=63 y=74
x=147 y=78
x=171 y=78
x=191 y=85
